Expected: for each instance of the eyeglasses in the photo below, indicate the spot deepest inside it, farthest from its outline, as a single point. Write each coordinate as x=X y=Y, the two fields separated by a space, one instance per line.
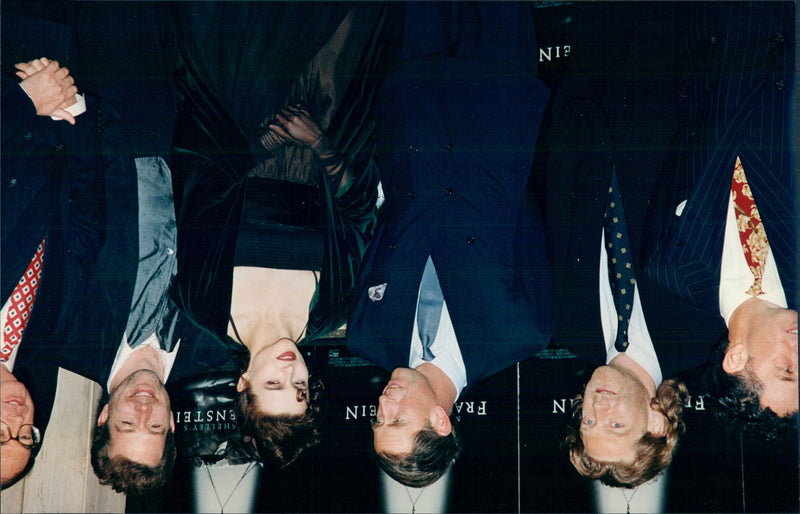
x=28 y=435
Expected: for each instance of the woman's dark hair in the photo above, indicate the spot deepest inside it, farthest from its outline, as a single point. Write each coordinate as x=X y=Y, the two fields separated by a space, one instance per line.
x=282 y=437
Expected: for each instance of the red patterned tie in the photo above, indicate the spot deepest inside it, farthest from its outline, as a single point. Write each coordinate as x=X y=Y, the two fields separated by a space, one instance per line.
x=21 y=303
x=751 y=231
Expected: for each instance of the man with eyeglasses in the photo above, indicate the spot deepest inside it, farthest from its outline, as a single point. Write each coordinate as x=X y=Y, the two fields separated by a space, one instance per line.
x=19 y=439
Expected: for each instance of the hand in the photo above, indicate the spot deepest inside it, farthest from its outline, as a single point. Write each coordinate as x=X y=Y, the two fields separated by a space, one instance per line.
x=296 y=125
x=50 y=87
x=26 y=69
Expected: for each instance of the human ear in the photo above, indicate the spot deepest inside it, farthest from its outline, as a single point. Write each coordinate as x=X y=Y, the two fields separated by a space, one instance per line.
x=735 y=359
x=103 y=417
x=441 y=421
x=244 y=379
x=656 y=422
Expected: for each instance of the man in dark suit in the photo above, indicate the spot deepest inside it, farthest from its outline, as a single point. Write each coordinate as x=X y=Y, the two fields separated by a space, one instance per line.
x=458 y=121
x=47 y=166
x=612 y=121
x=735 y=99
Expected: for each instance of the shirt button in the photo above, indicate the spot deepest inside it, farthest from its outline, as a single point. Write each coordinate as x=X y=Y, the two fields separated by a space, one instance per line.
x=59 y=148
x=413 y=148
x=470 y=240
x=28 y=136
x=392 y=246
x=448 y=191
x=12 y=182
x=449 y=147
x=412 y=194
x=781 y=85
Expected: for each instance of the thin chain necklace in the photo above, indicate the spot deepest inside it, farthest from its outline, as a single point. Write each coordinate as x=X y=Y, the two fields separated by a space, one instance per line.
x=250 y=467
x=414 y=501
x=629 y=500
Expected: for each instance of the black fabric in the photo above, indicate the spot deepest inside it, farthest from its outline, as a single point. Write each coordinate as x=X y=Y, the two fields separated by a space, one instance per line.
x=615 y=109
x=249 y=53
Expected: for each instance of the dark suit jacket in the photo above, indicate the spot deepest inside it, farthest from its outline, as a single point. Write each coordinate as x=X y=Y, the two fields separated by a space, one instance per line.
x=736 y=99
x=614 y=109
x=456 y=134
x=51 y=188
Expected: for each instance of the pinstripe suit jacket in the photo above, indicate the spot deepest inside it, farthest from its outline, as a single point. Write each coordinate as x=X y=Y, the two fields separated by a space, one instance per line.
x=736 y=96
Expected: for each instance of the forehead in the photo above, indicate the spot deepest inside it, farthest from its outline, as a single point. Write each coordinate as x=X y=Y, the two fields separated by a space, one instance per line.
x=14 y=457
x=278 y=402
x=611 y=447
x=395 y=438
x=143 y=446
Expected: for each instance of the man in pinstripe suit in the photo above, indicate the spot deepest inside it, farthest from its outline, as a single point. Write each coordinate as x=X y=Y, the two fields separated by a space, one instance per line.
x=735 y=98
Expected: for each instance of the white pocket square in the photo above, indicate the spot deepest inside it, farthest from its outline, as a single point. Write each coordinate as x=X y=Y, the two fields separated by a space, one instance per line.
x=679 y=208
x=375 y=293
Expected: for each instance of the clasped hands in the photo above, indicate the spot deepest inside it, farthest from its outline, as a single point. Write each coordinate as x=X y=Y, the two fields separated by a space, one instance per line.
x=294 y=124
x=49 y=86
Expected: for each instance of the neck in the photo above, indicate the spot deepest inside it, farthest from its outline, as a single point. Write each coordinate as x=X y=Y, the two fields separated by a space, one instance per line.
x=144 y=358
x=443 y=388
x=625 y=363
x=6 y=374
x=269 y=304
x=741 y=319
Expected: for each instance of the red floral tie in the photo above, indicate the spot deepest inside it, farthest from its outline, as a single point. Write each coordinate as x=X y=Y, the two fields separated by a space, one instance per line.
x=21 y=303
x=751 y=231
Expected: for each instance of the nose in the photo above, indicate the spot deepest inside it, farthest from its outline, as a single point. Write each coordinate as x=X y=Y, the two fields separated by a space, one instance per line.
x=601 y=403
x=143 y=407
x=385 y=405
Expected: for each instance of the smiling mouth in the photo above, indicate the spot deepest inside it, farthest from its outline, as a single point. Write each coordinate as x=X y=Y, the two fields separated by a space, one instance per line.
x=601 y=390
x=393 y=384
x=143 y=392
x=287 y=356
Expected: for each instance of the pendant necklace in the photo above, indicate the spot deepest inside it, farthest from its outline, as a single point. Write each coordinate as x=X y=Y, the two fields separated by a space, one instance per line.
x=414 y=501
x=247 y=471
x=628 y=500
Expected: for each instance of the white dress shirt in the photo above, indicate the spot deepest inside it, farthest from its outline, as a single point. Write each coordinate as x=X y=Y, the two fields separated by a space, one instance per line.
x=447 y=354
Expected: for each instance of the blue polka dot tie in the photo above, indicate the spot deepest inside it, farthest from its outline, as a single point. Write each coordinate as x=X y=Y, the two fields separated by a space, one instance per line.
x=620 y=263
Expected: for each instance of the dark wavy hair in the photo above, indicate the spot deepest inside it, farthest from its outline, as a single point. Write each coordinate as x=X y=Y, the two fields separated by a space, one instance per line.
x=282 y=437
x=735 y=400
x=653 y=452
x=431 y=456
x=125 y=475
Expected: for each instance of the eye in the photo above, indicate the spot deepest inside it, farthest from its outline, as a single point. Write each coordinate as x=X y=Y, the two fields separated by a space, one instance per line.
x=126 y=422
x=588 y=422
x=272 y=382
x=616 y=425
